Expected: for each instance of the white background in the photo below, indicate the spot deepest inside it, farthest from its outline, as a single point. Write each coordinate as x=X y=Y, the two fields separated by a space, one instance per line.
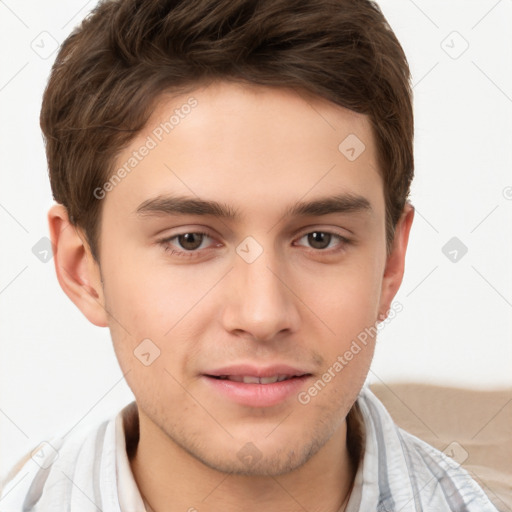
x=58 y=371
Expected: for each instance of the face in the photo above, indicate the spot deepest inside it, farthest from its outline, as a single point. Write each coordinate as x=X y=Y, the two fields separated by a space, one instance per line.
x=245 y=246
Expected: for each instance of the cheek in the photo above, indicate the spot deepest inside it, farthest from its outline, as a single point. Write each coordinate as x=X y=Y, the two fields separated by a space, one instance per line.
x=156 y=317
x=345 y=303
x=344 y=298
x=149 y=300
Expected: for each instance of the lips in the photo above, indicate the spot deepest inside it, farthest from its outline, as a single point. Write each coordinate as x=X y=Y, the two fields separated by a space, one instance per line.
x=256 y=386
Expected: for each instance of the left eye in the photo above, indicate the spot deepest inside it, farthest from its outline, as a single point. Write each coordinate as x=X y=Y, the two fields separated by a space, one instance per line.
x=322 y=239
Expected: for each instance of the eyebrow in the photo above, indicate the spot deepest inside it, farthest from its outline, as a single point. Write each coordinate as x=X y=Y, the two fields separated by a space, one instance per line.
x=183 y=205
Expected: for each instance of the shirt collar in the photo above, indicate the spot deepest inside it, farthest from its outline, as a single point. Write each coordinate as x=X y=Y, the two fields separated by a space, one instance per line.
x=127 y=438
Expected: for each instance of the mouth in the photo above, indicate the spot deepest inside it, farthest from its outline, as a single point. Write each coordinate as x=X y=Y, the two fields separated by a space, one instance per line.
x=256 y=386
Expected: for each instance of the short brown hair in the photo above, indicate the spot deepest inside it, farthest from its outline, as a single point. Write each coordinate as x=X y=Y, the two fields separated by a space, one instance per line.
x=114 y=65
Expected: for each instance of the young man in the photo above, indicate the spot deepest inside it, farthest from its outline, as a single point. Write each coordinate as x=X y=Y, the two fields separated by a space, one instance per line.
x=232 y=180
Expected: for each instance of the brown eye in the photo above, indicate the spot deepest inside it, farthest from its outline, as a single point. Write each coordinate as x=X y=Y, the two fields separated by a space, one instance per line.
x=319 y=239
x=190 y=241
x=186 y=244
x=323 y=241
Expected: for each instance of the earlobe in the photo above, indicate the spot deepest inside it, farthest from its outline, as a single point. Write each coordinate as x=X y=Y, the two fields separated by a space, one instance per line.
x=395 y=262
x=77 y=272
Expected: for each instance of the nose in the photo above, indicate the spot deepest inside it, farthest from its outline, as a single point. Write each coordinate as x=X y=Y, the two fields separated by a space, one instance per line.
x=259 y=301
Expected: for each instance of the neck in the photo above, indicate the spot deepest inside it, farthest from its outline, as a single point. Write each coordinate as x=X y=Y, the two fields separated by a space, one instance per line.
x=172 y=480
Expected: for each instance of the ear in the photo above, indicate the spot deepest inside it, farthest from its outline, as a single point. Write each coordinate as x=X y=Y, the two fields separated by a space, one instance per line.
x=395 y=261
x=77 y=272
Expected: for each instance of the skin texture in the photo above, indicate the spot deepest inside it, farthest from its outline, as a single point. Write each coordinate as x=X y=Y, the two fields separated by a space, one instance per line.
x=258 y=150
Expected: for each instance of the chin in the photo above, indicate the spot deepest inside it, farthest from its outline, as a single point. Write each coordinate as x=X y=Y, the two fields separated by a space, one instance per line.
x=270 y=461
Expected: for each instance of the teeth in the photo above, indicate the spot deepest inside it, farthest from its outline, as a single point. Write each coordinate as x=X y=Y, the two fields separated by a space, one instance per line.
x=268 y=380
x=249 y=379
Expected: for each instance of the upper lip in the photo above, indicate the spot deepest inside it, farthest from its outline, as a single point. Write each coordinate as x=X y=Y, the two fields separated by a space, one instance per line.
x=257 y=371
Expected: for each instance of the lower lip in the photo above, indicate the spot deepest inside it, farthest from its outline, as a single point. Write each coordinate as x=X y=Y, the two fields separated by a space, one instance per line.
x=257 y=395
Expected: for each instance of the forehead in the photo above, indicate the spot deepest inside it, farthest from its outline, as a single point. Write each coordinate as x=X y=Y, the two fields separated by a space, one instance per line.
x=248 y=147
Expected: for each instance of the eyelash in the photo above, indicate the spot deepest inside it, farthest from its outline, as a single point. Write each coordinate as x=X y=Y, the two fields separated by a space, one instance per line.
x=194 y=253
